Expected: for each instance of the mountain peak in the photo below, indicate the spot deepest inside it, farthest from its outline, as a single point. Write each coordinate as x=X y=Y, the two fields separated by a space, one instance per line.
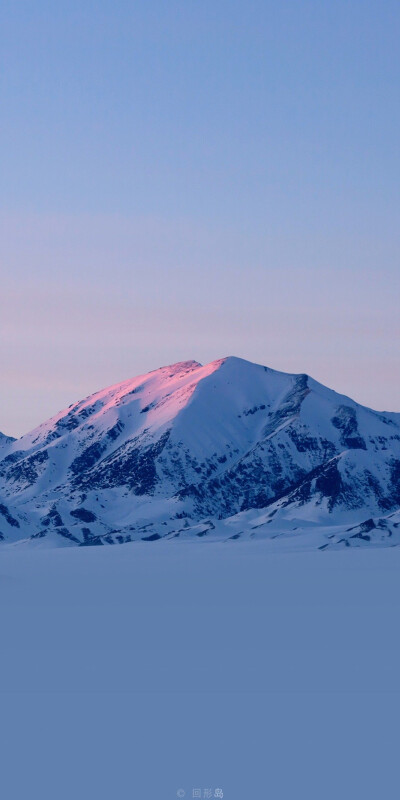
x=179 y=366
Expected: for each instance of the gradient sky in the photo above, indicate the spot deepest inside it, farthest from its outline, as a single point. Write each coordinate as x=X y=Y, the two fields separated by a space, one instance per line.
x=192 y=180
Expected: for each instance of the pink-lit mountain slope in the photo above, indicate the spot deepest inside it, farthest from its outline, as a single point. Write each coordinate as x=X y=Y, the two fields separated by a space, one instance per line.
x=208 y=451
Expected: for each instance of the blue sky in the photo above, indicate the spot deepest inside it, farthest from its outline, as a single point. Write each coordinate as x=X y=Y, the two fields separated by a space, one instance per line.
x=192 y=180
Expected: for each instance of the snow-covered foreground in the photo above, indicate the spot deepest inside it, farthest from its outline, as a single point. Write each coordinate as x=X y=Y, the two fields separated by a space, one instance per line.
x=135 y=671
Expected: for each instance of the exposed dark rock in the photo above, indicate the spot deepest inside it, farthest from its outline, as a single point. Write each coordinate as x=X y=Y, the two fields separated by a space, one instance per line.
x=4 y=511
x=52 y=518
x=345 y=420
x=83 y=514
x=26 y=469
x=114 y=432
x=129 y=465
x=83 y=463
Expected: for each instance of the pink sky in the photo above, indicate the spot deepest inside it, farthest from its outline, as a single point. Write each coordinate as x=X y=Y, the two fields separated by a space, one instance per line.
x=105 y=299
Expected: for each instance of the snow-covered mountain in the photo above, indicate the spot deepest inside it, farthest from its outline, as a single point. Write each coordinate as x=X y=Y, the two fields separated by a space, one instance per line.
x=228 y=450
x=5 y=440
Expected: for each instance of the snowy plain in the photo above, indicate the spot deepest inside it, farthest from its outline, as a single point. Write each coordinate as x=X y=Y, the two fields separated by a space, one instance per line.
x=139 y=670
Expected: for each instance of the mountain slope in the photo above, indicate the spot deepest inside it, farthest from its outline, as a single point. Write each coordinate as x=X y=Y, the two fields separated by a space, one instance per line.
x=156 y=455
x=5 y=441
